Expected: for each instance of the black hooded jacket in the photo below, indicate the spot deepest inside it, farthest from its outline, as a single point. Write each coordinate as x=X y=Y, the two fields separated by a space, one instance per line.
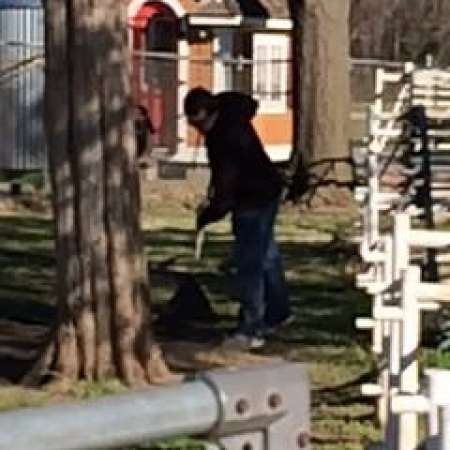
x=242 y=175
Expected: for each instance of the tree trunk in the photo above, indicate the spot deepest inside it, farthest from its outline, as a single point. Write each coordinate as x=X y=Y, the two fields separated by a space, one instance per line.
x=325 y=79
x=322 y=64
x=104 y=326
x=298 y=170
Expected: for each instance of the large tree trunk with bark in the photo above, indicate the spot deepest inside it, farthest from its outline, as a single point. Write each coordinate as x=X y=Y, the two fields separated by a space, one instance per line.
x=104 y=326
x=322 y=69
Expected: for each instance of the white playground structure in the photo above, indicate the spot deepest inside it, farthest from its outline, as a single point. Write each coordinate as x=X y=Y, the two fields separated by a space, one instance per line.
x=390 y=245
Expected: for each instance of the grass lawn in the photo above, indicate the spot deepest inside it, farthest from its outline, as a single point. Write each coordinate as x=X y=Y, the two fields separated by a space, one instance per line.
x=324 y=300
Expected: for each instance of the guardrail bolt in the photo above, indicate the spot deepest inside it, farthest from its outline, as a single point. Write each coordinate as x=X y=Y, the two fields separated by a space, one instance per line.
x=242 y=406
x=303 y=440
x=275 y=401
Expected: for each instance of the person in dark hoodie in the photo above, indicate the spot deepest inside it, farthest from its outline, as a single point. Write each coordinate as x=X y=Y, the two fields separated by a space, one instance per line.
x=245 y=183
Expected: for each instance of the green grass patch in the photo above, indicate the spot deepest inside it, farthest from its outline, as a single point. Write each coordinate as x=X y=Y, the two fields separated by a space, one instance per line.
x=325 y=305
x=33 y=178
x=436 y=359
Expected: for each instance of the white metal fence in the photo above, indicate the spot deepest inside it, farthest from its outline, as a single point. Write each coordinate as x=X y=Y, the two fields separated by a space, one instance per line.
x=391 y=248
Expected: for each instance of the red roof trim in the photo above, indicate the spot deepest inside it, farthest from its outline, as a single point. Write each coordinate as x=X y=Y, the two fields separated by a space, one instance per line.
x=145 y=13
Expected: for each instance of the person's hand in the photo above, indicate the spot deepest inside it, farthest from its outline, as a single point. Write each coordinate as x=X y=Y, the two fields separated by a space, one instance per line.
x=199 y=228
x=198 y=245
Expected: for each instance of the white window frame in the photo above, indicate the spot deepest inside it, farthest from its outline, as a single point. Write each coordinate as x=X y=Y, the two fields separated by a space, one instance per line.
x=274 y=46
x=223 y=49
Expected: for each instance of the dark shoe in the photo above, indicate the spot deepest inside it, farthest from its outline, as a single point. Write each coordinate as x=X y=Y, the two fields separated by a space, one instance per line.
x=240 y=341
x=273 y=328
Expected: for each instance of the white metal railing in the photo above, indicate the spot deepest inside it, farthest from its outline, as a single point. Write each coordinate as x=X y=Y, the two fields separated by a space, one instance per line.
x=417 y=86
x=398 y=298
x=381 y=126
x=398 y=293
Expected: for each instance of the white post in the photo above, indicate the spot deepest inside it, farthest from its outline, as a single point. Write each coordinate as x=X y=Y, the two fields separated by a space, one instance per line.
x=372 y=206
x=438 y=383
x=392 y=425
x=381 y=336
x=383 y=274
x=400 y=261
x=379 y=84
x=401 y=243
x=445 y=427
x=409 y=376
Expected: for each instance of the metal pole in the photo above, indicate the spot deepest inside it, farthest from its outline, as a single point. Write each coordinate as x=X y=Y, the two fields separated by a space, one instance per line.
x=260 y=408
x=438 y=384
x=445 y=428
x=121 y=420
x=400 y=261
x=409 y=374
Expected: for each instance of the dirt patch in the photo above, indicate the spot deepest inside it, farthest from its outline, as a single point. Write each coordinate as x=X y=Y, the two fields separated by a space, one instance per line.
x=162 y=194
x=189 y=356
x=36 y=202
x=327 y=200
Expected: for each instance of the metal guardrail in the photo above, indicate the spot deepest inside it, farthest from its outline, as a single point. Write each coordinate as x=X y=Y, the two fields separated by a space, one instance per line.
x=258 y=408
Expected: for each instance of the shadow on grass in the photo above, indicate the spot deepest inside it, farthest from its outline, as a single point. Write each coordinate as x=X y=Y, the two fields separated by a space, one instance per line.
x=27 y=269
x=324 y=303
x=323 y=299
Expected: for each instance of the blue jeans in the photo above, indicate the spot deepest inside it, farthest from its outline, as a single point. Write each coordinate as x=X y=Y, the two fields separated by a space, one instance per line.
x=262 y=287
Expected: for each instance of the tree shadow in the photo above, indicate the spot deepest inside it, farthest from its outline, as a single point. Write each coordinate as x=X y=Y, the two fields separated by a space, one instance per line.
x=324 y=301
x=27 y=269
x=321 y=293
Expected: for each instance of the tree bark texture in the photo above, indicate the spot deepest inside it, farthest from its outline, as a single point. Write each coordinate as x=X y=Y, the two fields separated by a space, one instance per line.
x=324 y=77
x=104 y=326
